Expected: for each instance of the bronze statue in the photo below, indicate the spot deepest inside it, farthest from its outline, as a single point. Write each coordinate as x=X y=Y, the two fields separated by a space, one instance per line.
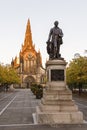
x=54 y=42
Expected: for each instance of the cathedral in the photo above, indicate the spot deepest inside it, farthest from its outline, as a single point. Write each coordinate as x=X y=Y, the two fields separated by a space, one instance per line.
x=29 y=62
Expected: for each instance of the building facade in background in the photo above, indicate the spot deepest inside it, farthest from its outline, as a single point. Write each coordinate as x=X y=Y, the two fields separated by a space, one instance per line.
x=29 y=62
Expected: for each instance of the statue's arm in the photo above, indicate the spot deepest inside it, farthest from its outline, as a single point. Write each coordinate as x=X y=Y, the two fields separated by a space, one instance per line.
x=61 y=33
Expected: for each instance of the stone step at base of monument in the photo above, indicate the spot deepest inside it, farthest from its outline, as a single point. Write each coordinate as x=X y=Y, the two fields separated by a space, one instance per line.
x=56 y=95
x=52 y=91
x=59 y=117
x=58 y=108
x=57 y=102
x=56 y=85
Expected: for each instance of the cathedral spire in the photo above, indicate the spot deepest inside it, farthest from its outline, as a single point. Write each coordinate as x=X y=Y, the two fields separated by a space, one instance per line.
x=28 y=35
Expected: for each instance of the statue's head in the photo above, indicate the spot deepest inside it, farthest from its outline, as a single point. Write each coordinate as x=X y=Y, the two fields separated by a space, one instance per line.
x=56 y=23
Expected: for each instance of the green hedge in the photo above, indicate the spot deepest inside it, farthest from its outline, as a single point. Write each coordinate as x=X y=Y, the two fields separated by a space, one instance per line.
x=37 y=90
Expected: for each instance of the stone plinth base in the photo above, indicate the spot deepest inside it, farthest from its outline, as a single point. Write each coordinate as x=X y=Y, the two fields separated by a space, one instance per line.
x=57 y=106
x=58 y=117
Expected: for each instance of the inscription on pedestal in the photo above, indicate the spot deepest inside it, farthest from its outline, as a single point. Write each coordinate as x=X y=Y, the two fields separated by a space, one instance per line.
x=57 y=75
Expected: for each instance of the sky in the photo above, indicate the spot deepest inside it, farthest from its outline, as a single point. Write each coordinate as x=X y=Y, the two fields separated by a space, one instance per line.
x=14 y=14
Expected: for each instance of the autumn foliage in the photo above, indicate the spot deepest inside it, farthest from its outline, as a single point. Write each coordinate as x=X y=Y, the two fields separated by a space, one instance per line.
x=8 y=75
x=76 y=73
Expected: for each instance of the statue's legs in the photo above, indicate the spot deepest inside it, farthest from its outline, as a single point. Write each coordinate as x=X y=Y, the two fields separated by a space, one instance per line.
x=58 y=50
x=55 y=52
x=51 y=57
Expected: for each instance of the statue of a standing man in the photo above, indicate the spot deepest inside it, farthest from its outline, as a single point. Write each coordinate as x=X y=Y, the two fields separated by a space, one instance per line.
x=54 y=41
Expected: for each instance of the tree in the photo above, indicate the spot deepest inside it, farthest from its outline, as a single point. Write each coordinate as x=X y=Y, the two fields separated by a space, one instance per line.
x=8 y=75
x=3 y=75
x=13 y=77
x=76 y=73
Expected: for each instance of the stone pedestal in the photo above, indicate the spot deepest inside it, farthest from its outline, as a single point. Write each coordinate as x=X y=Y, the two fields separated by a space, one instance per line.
x=57 y=106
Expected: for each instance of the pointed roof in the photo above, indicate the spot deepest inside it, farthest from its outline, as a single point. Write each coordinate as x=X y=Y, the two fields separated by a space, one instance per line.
x=28 y=43
x=28 y=35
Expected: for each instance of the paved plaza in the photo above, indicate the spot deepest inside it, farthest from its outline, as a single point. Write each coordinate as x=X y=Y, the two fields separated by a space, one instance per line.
x=17 y=110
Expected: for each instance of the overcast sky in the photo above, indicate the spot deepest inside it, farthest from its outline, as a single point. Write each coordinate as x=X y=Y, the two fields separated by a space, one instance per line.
x=72 y=17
